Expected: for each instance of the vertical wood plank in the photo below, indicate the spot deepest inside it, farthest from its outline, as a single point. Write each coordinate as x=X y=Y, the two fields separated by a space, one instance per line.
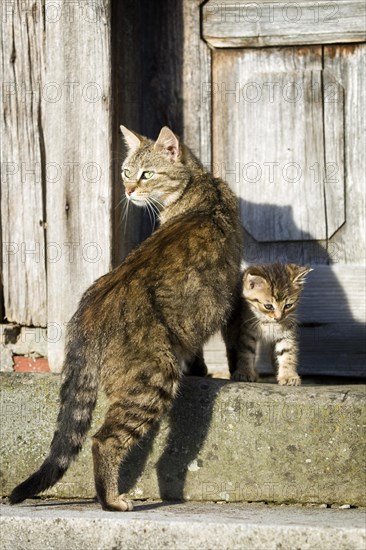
x=243 y=23
x=23 y=163
x=247 y=63
x=196 y=84
x=333 y=173
x=346 y=64
x=77 y=123
x=268 y=134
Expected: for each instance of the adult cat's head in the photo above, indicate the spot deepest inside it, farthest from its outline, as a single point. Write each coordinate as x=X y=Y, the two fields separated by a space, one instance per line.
x=273 y=290
x=155 y=173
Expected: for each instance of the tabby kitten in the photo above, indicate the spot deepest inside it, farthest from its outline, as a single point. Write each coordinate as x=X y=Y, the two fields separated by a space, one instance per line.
x=136 y=325
x=266 y=310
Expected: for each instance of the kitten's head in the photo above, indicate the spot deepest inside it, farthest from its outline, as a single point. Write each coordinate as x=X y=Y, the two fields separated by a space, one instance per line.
x=154 y=172
x=273 y=290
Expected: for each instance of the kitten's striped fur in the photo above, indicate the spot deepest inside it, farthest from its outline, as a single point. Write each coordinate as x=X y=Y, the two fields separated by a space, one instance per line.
x=266 y=310
x=137 y=324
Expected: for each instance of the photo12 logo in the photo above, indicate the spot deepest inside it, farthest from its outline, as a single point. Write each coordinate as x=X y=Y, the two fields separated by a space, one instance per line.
x=267 y=13
x=286 y=89
x=51 y=11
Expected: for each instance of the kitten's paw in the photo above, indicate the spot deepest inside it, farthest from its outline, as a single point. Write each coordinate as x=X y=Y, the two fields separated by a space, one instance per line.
x=119 y=504
x=244 y=376
x=289 y=380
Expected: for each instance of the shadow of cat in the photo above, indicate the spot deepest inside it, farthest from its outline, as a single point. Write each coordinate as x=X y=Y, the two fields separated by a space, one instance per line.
x=188 y=424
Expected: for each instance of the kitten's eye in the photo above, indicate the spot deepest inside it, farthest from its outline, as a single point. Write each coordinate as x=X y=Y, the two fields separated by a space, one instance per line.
x=269 y=307
x=126 y=172
x=147 y=175
x=288 y=306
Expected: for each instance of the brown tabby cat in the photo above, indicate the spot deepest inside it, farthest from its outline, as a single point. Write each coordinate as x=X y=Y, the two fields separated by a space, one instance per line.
x=136 y=325
x=266 y=310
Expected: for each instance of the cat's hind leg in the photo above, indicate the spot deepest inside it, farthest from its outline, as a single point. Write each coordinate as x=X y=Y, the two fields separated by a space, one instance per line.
x=196 y=366
x=137 y=402
x=241 y=353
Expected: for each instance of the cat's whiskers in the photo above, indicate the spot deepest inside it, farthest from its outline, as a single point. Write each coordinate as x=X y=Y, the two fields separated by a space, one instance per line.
x=153 y=205
x=124 y=203
x=150 y=211
x=253 y=322
x=159 y=203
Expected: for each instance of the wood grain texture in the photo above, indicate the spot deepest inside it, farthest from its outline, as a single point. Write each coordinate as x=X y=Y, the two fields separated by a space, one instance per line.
x=196 y=84
x=22 y=161
x=347 y=64
x=333 y=174
x=242 y=24
x=269 y=140
x=345 y=142
x=231 y=70
x=78 y=143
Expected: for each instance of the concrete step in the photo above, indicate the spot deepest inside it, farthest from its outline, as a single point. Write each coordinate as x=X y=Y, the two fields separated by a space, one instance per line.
x=180 y=526
x=223 y=441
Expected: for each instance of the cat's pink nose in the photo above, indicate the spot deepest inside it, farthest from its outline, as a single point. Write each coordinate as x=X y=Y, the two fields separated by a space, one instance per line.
x=129 y=190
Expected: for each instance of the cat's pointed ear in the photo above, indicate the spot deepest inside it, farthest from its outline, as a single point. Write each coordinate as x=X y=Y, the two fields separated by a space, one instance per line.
x=132 y=140
x=254 y=282
x=168 y=144
x=299 y=273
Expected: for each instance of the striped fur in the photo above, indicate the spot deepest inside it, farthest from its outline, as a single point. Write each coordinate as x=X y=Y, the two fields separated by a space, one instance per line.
x=267 y=311
x=136 y=325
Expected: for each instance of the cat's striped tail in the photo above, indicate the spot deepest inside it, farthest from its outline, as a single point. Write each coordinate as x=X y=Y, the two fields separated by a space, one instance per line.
x=78 y=397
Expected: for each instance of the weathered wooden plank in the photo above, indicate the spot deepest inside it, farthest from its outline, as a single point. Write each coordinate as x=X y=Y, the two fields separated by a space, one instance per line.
x=242 y=23
x=1 y=281
x=196 y=84
x=333 y=176
x=22 y=163
x=343 y=66
x=268 y=137
x=78 y=140
x=346 y=64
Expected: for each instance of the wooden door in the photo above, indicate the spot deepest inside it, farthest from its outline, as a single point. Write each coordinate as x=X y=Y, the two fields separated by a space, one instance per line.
x=287 y=93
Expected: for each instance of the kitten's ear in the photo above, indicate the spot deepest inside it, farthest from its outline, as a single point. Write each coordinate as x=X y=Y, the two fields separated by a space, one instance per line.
x=132 y=140
x=299 y=273
x=254 y=282
x=168 y=144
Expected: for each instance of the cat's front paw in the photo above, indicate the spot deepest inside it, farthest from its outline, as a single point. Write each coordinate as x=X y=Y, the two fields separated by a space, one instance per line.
x=289 y=380
x=244 y=376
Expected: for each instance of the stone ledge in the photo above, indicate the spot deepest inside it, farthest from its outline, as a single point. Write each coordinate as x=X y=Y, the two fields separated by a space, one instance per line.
x=179 y=526
x=223 y=441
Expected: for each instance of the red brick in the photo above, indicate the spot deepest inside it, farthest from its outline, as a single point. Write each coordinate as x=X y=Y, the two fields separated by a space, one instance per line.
x=27 y=364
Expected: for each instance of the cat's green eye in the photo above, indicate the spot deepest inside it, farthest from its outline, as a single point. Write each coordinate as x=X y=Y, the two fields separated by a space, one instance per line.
x=147 y=175
x=269 y=307
x=126 y=172
x=288 y=306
